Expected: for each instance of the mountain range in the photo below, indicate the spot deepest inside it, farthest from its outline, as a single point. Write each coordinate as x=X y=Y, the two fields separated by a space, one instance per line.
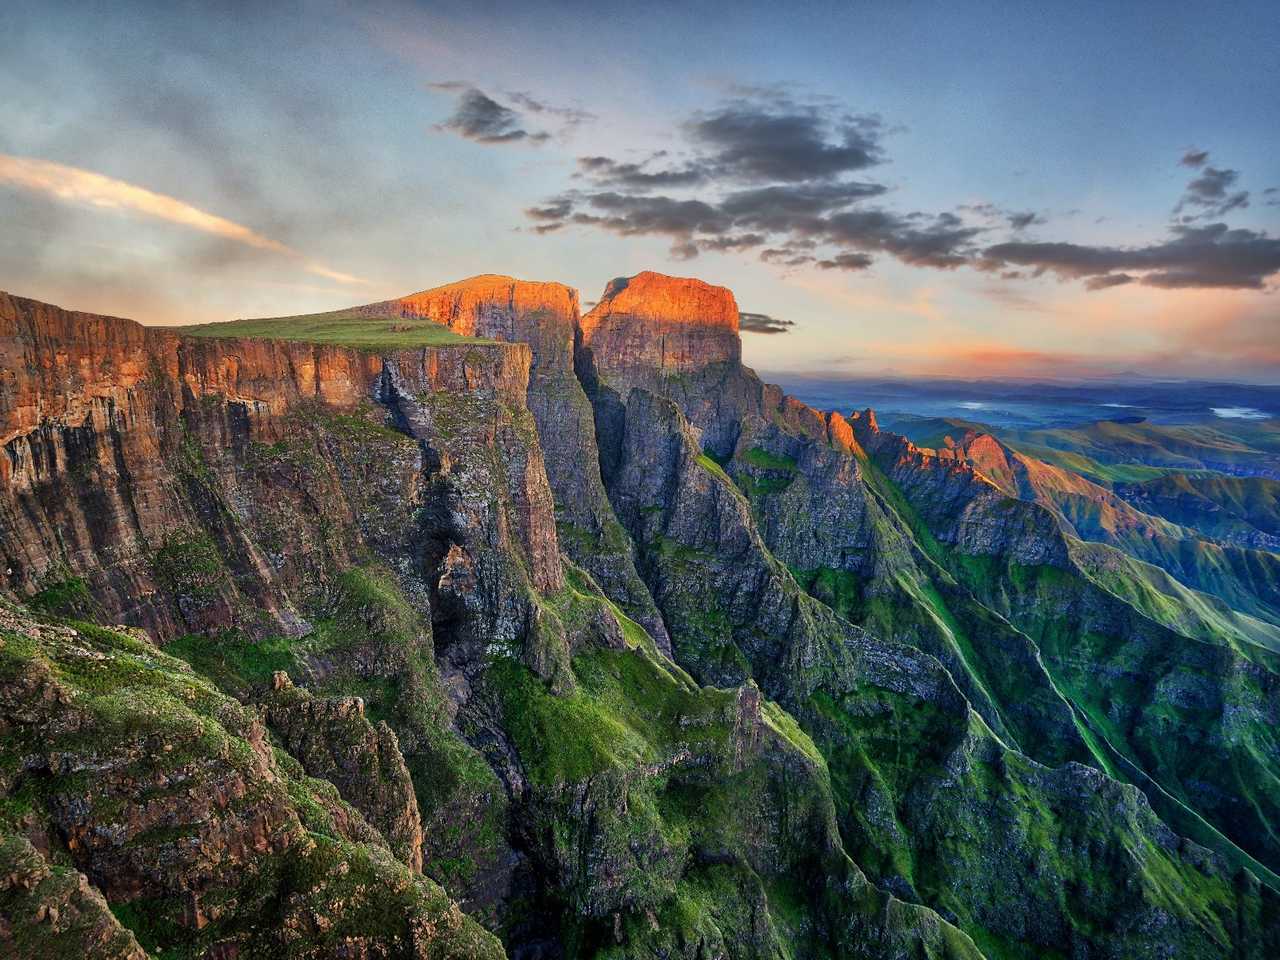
x=468 y=625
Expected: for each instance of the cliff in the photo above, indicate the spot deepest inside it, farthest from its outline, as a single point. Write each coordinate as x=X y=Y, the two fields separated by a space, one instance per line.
x=462 y=609
x=650 y=327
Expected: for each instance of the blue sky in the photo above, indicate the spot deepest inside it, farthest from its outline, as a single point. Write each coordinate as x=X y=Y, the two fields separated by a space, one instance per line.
x=321 y=151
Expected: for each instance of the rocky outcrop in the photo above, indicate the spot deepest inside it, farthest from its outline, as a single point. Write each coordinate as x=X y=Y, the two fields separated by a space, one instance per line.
x=169 y=798
x=334 y=741
x=963 y=507
x=48 y=911
x=649 y=327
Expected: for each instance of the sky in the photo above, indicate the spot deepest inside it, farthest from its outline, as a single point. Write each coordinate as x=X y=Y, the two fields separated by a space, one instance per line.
x=955 y=189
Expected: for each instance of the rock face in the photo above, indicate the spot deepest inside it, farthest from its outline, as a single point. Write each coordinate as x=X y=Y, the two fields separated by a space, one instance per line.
x=649 y=327
x=333 y=741
x=169 y=798
x=546 y=317
x=109 y=423
x=50 y=912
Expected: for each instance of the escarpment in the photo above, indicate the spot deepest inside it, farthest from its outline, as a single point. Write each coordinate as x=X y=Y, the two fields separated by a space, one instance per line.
x=546 y=316
x=149 y=465
x=473 y=625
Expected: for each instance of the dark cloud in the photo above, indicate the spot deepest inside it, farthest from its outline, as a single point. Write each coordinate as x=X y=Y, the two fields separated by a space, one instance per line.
x=762 y=137
x=763 y=323
x=740 y=241
x=777 y=140
x=1015 y=219
x=771 y=173
x=944 y=241
x=847 y=261
x=1108 y=280
x=1210 y=194
x=1020 y=221
x=801 y=217
x=479 y=117
x=788 y=256
x=780 y=209
x=765 y=172
x=633 y=176
x=1212 y=255
x=630 y=215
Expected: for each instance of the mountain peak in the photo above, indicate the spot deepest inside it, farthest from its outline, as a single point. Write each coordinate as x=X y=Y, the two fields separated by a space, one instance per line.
x=655 y=325
x=540 y=313
x=668 y=300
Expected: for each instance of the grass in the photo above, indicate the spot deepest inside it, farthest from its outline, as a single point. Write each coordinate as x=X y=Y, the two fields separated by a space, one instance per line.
x=339 y=328
x=759 y=457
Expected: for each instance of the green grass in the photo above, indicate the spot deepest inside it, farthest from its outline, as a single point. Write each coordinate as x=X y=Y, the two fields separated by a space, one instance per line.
x=759 y=457
x=713 y=468
x=340 y=328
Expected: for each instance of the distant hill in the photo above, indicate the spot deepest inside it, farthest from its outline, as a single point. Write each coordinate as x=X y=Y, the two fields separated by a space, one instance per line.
x=1242 y=510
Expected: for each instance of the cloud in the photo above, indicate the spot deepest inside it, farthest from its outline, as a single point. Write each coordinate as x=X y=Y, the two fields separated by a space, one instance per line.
x=943 y=241
x=633 y=176
x=847 y=261
x=763 y=323
x=1212 y=255
x=1017 y=220
x=761 y=137
x=1020 y=221
x=569 y=116
x=479 y=117
x=788 y=256
x=766 y=172
x=1211 y=194
x=85 y=188
x=482 y=119
x=780 y=209
x=778 y=140
x=1108 y=280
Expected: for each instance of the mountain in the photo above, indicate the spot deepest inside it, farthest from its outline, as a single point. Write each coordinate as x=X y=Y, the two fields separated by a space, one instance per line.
x=1240 y=510
x=462 y=624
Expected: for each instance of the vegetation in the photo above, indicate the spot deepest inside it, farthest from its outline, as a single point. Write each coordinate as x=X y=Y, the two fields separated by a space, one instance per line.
x=340 y=328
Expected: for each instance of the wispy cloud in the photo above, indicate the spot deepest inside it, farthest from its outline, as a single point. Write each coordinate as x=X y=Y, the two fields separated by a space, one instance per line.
x=86 y=188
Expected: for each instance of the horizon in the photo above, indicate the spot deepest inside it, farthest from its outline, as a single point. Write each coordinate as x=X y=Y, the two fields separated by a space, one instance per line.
x=1097 y=198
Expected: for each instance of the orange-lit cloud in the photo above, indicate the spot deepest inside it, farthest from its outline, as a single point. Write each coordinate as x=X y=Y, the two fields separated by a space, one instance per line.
x=86 y=188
